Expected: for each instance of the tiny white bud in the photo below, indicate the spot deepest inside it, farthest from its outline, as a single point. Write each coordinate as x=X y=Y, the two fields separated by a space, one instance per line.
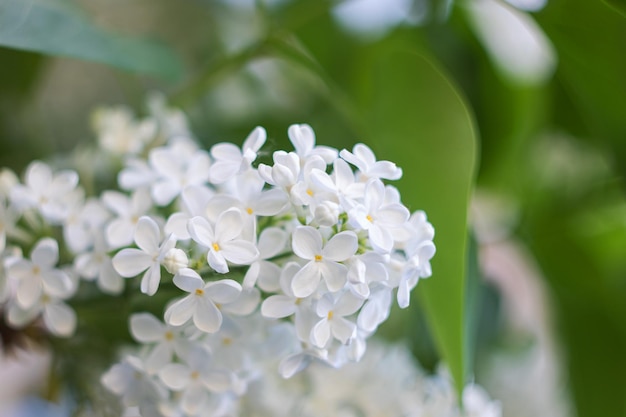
x=327 y=214
x=174 y=260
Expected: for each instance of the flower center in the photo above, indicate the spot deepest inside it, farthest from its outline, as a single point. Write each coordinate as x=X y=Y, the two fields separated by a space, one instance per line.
x=216 y=247
x=199 y=291
x=227 y=341
x=249 y=211
x=36 y=270
x=370 y=218
x=169 y=336
x=318 y=258
x=309 y=192
x=195 y=375
x=330 y=315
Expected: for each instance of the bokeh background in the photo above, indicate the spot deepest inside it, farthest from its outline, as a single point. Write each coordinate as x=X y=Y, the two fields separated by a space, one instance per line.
x=508 y=118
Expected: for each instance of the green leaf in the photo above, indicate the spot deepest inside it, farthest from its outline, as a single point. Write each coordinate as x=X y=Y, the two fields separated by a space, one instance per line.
x=417 y=119
x=57 y=27
x=618 y=5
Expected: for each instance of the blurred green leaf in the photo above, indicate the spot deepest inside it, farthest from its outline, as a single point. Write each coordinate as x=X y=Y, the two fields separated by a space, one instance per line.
x=589 y=39
x=57 y=27
x=416 y=118
x=617 y=5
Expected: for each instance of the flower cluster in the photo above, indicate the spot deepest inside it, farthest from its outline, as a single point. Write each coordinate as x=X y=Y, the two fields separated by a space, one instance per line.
x=297 y=260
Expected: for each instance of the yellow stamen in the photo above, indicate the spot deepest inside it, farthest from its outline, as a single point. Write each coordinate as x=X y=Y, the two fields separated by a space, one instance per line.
x=330 y=315
x=370 y=218
x=36 y=270
x=169 y=336
x=216 y=247
x=195 y=375
x=249 y=210
x=309 y=192
x=199 y=291
x=227 y=341
x=298 y=301
x=318 y=258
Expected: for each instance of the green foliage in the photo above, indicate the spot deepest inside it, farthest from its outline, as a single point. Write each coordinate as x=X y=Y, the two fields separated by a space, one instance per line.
x=57 y=27
x=416 y=117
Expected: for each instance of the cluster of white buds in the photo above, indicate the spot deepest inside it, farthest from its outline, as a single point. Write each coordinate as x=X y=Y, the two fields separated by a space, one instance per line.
x=294 y=262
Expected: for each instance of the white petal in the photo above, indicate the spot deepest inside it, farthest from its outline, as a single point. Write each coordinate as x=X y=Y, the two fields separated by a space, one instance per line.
x=29 y=290
x=177 y=224
x=175 y=376
x=117 y=202
x=201 y=231
x=217 y=261
x=57 y=283
x=320 y=333
x=188 y=280
x=151 y=279
x=255 y=140
x=342 y=329
x=160 y=356
x=147 y=235
x=164 y=191
x=131 y=262
x=109 y=280
x=271 y=202
x=278 y=306
x=60 y=319
x=223 y=291
x=19 y=317
x=293 y=364
x=207 y=316
x=240 y=252
x=146 y=328
x=228 y=225
x=38 y=175
x=335 y=275
x=302 y=137
x=181 y=311
x=385 y=169
x=393 y=214
x=341 y=246
x=119 y=232
x=306 y=280
x=46 y=253
x=194 y=399
x=306 y=242
x=380 y=239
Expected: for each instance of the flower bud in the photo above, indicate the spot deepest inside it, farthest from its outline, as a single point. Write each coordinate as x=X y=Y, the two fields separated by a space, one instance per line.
x=327 y=214
x=174 y=260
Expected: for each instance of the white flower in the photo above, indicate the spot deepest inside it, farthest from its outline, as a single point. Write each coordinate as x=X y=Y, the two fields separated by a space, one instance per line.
x=167 y=340
x=176 y=167
x=378 y=217
x=324 y=260
x=316 y=185
x=194 y=201
x=302 y=137
x=197 y=379
x=364 y=159
x=230 y=160
x=201 y=302
x=96 y=264
x=119 y=132
x=130 y=262
x=223 y=240
x=120 y=230
x=38 y=276
x=45 y=191
x=129 y=380
x=284 y=173
x=58 y=317
x=263 y=273
x=332 y=309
